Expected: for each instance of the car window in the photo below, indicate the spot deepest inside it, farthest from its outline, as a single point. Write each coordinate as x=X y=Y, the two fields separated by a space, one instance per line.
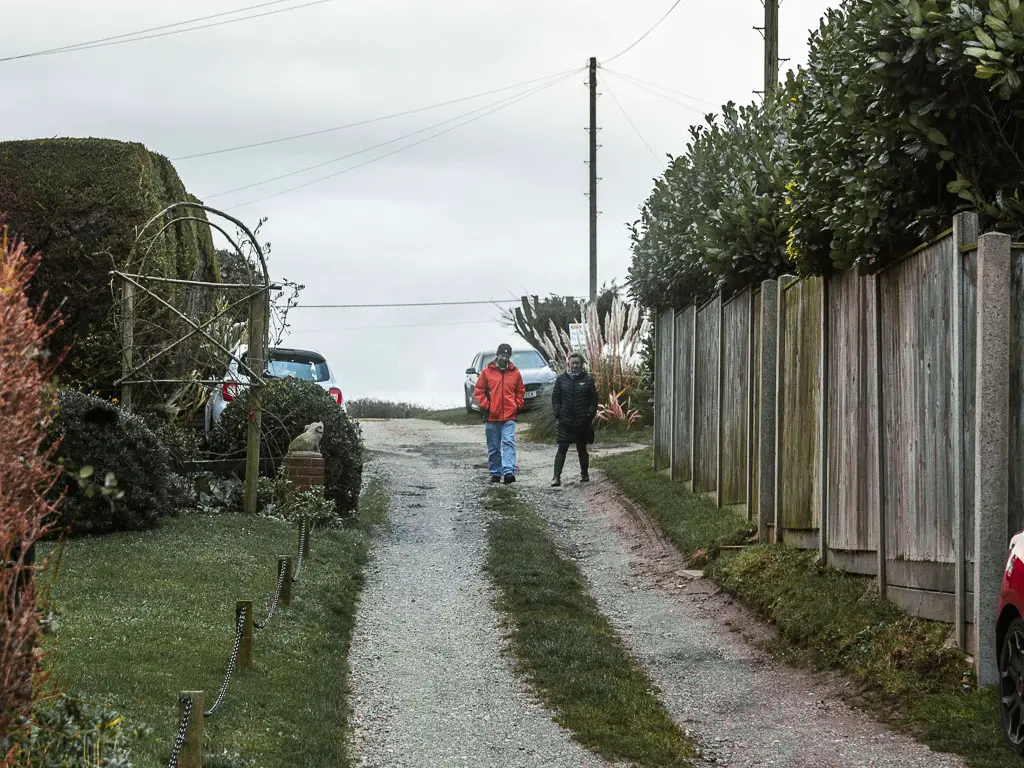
x=528 y=359
x=296 y=364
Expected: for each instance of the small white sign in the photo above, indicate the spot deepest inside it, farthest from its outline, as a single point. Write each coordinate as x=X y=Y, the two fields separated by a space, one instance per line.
x=577 y=334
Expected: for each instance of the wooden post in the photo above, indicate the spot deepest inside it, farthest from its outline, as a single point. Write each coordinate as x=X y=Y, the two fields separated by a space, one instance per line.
x=883 y=537
x=244 y=607
x=965 y=232
x=822 y=448
x=673 y=448
x=256 y=358
x=718 y=415
x=692 y=405
x=127 y=340
x=284 y=563
x=658 y=393
x=780 y=387
x=191 y=755
x=752 y=378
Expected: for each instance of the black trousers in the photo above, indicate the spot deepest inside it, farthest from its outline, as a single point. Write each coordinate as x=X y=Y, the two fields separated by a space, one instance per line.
x=581 y=449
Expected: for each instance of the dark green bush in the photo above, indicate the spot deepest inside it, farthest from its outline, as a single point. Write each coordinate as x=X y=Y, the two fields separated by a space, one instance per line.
x=288 y=406
x=95 y=433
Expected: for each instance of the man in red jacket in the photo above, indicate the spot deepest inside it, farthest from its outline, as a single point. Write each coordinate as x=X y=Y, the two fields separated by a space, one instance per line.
x=500 y=394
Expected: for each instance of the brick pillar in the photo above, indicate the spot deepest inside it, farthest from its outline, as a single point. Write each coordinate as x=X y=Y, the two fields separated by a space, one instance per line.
x=305 y=469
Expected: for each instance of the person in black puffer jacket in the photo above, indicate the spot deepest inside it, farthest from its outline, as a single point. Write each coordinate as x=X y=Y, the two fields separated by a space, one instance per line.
x=574 y=401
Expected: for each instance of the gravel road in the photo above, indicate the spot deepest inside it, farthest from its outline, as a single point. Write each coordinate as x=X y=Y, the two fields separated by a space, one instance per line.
x=433 y=687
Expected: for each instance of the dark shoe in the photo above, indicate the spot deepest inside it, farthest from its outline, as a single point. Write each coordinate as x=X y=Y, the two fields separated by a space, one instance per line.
x=495 y=478
x=509 y=479
x=556 y=483
x=585 y=479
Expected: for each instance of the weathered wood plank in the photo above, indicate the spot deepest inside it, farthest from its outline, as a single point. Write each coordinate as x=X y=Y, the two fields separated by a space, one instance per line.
x=1016 y=397
x=799 y=501
x=682 y=388
x=706 y=401
x=663 y=390
x=736 y=385
x=755 y=415
x=916 y=307
x=852 y=415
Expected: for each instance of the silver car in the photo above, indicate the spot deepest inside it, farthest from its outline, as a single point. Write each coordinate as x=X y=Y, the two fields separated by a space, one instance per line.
x=538 y=377
x=282 y=362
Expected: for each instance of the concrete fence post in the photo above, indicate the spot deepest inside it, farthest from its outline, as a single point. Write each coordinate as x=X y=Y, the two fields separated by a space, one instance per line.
x=766 y=378
x=991 y=445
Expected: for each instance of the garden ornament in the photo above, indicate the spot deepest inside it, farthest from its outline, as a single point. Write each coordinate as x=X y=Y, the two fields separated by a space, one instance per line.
x=308 y=441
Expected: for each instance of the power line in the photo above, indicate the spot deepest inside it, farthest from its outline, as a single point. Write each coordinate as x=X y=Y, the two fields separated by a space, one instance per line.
x=656 y=93
x=624 y=76
x=372 y=119
x=636 y=130
x=388 y=327
x=636 y=42
x=494 y=109
x=410 y=304
x=132 y=37
x=375 y=146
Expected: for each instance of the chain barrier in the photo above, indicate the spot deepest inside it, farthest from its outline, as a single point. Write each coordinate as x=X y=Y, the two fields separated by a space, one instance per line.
x=179 y=739
x=231 y=666
x=302 y=548
x=274 y=599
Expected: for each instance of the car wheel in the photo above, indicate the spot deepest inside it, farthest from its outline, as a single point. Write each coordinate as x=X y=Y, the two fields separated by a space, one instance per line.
x=1011 y=685
x=469 y=403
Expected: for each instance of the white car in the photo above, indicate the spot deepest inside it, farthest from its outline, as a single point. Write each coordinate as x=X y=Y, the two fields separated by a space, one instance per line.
x=282 y=362
x=538 y=378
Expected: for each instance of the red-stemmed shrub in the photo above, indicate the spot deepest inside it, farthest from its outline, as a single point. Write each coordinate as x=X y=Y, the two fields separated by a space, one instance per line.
x=27 y=472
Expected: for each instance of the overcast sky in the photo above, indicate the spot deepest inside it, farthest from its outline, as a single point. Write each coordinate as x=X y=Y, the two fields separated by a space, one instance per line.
x=493 y=209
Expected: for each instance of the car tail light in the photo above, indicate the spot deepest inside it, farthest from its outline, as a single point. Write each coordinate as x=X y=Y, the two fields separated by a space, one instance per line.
x=336 y=394
x=229 y=389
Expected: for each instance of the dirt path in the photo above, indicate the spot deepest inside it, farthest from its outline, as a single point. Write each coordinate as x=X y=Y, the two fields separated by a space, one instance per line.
x=434 y=690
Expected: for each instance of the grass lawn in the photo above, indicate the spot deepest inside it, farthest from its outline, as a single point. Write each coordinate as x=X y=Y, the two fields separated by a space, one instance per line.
x=827 y=619
x=693 y=523
x=575 y=660
x=143 y=616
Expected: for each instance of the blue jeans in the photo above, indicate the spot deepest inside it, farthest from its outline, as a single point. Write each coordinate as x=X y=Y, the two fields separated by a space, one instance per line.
x=501 y=447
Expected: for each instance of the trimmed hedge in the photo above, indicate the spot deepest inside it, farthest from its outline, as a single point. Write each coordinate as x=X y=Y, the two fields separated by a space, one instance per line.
x=80 y=203
x=289 y=405
x=98 y=434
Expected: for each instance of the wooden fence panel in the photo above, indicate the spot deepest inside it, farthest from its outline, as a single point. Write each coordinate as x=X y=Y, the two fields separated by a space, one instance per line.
x=682 y=389
x=755 y=414
x=916 y=306
x=734 y=404
x=799 y=502
x=852 y=417
x=706 y=401
x=1017 y=395
x=968 y=387
x=663 y=390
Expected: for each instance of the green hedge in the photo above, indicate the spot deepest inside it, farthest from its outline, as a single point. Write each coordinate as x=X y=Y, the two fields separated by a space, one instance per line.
x=79 y=202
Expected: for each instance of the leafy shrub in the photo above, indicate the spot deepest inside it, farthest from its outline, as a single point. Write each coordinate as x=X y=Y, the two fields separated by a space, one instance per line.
x=906 y=113
x=716 y=219
x=96 y=433
x=372 y=408
x=542 y=424
x=278 y=499
x=67 y=732
x=289 y=405
x=26 y=404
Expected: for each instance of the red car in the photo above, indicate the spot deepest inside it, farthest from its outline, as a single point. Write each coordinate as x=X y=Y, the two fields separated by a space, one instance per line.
x=1010 y=642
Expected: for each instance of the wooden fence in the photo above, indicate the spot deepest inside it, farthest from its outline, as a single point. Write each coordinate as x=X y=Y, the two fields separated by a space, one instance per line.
x=877 y=419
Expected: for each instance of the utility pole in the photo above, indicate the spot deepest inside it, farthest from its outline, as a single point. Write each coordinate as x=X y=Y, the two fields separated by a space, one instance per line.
x=593 y=178
x=771 y=47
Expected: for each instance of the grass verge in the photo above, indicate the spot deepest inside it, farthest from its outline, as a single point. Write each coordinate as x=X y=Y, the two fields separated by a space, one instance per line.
x=569 y=651
x=693 y=523
x=905 y=673
x=144 y=616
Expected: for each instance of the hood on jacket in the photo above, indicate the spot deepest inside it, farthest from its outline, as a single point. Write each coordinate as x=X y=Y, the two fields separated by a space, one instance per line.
x=494 y=364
